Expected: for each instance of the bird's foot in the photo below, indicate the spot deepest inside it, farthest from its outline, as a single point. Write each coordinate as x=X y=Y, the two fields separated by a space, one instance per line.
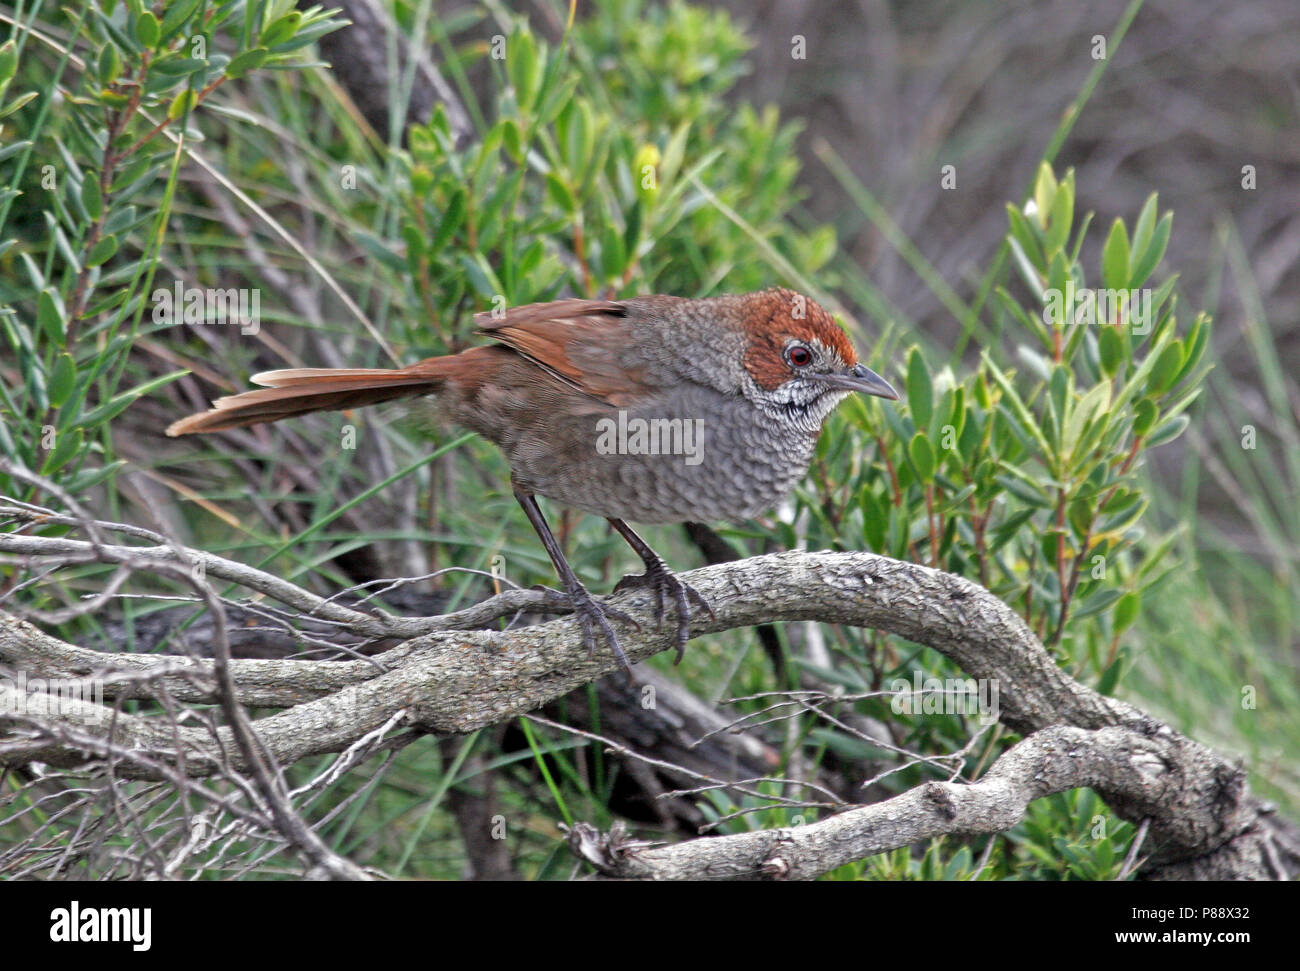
x=664 y=584
x=593 y=614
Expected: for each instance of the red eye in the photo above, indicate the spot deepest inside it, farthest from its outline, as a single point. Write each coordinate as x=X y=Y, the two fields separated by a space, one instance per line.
x=799 y=356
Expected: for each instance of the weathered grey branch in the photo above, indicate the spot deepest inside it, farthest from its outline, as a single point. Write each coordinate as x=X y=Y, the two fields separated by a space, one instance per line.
x=454 y=682
x=1053 y=760
x=376 y=623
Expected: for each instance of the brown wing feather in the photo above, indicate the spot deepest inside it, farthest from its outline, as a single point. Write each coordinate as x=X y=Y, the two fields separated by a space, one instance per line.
x=572 y=340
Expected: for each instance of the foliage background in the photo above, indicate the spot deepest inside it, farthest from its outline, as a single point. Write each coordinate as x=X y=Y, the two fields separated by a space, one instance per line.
x=835 y=190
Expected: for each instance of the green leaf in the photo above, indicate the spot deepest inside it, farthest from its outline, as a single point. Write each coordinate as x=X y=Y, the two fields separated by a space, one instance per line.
x=1196 y=342
x=1122 y=520
x=1142 y=231
x=118 y=403
x=17 y=103
x=8 y=61
x=1168 y=364
x=1025 y=422
x=1009 y=529
x=1079 y=236
x=1110 y=350
x=93 y=477
x=424 y=147
x=7 y=446
x=1168 y=431
x=1110 y=677
x=1062 y=217
x=480 y=275
x=875 y=520
x=147 y=29
x=91 y=198
x=573 y=129
x=241 y=64
x=613 y=255
x=513 y=140
x=920 y=390
x=1049 y=542
x=68 y=445
x=1044 y=193
x=560 y=193
x=63 y=378
x=182 y=103
x=1121 y=501
x=379 y=250
x=1080 y=515
x=524 y=68
x=921 y=453
x=1031 y=322
x=632 y=230
x=1115 y=258
x=33 y=373
x=415 y=245
x=531 y=258
x=175 y=17
x=1145 y=264
x=957 y=502
x=279 y=31
x=421 y=181
x=1023 y=488
x=102 y=251
x=451 y=221
x=51 y=316
x=19 y=334
x=1144 y=416
x=109 y=64
x=1032 y=276
x=12 y=149
x=1092 y=407
x=673 y=154
x=1126 y=611
x=1058 y=395
x=1096 y=603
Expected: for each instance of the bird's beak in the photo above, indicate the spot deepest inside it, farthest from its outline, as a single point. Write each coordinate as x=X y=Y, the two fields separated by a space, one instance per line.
x=860 y=378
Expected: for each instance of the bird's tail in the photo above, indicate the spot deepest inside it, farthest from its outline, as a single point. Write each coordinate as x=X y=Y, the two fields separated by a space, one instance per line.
x=300 y=391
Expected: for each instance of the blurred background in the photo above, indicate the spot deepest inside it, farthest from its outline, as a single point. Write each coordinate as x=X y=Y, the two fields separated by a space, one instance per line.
x=1199 y=96
x=1196 y=92
x=861 y=151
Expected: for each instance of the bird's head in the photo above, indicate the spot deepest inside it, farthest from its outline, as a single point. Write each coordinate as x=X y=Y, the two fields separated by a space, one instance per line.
x=798 y=362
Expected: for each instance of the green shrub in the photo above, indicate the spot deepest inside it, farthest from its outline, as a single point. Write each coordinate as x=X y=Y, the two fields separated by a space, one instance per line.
x=1021 y=473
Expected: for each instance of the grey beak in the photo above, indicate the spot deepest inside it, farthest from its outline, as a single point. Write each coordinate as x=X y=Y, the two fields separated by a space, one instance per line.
x=860 y=378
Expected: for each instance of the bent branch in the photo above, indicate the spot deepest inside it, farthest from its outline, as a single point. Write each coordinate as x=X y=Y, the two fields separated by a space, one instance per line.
x=449 y=681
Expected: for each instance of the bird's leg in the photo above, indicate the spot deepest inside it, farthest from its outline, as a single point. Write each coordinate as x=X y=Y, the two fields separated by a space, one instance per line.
x=659 y=578
x=588 y=610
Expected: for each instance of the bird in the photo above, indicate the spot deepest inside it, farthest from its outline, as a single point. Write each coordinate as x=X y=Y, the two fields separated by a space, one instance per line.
x=655 y=409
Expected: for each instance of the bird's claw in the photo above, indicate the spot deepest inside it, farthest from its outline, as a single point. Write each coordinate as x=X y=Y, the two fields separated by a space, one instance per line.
x=665 y=583
x=591 y=613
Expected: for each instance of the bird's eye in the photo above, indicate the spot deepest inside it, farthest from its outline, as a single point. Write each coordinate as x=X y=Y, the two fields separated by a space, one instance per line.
x=799 y=356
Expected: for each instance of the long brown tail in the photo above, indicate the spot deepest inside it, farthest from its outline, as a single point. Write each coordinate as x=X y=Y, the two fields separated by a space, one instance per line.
x=299 y=391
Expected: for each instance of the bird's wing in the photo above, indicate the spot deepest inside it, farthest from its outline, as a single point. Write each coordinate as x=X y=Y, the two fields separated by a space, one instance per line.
x=577 y=341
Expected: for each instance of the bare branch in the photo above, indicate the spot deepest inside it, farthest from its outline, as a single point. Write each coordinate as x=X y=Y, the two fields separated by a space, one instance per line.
x=457 y=682
x=1053 y=760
